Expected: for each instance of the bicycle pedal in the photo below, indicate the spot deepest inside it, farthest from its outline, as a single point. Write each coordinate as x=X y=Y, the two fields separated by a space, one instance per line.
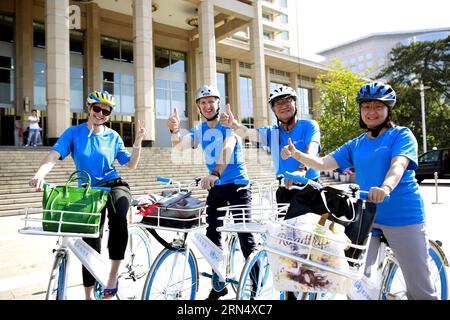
x=231 y=280
x=206 y=274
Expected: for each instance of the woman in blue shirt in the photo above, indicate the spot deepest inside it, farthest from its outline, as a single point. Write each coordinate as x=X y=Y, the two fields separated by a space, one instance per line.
x=384 y=160
x=94 y=148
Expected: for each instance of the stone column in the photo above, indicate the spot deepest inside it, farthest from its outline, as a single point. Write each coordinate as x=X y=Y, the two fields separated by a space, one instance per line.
x=24 y=69
x=92 y=42
x=235 y=89
x=207 y=44
x=192 y=58
x=269 y=110
x=144 y=90
x=258 y=67
x=58 y=67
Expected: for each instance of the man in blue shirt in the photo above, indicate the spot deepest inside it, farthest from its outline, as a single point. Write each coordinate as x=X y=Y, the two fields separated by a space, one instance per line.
x=304 y=133
x=222 y=150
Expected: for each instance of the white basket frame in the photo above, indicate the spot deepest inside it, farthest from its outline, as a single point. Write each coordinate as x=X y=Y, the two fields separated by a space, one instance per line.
x=355 y=271
x=33 y=225
x=260 y=215
x=200 y=217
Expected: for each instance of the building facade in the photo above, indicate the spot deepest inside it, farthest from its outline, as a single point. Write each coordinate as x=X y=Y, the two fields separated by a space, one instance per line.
x=368 y=55
x=152 y=55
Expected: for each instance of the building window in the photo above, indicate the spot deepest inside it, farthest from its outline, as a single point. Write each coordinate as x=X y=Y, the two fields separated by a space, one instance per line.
x=38 y=35
x=283 y=4
x=170 y=60
x=267 y=17
x=6 y=61
x=246 y=101
x=223 y=88
x=267 y=35
x=118 y=73
x=286 y=50
x=7 y=27
x=285 y=35
x=40 y=82
x=304 y=100
x=284 y=18
x=171 y=85
x=76 y=71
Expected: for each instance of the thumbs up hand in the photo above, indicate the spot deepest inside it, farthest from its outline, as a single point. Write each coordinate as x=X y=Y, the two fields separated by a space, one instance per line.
x=173 y=123
x=227 y=118
x=288 y=151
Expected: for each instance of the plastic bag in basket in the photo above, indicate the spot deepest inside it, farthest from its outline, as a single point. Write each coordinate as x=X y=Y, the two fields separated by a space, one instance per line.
x=315 y=246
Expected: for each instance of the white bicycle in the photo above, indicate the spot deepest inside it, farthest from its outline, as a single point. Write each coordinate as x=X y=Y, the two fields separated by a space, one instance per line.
x=134 y=267
x=174 y=274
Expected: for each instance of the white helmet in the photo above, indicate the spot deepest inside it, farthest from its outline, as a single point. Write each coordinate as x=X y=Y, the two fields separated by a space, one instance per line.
x=281 y=92
x=207 y=91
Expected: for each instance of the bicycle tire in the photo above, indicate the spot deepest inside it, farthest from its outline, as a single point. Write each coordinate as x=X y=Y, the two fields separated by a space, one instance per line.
x=394 y=285
x=169 y=263
x=56 y=284
x=236 y=260
x=136 y=264
x=257 y=284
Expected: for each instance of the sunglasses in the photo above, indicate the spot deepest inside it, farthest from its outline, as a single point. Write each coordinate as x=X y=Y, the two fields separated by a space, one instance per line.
x=97 y=109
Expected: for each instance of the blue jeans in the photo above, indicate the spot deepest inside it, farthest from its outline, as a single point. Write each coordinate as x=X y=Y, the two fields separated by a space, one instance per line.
x=33 y=137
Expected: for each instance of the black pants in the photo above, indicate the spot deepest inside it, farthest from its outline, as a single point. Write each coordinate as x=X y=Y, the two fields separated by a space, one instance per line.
x=221 y=196
x=117 y=206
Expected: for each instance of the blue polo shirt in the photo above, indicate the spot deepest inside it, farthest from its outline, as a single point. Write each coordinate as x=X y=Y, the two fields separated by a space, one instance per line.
x=212 y=141
x=371 y=159
x=95 y=154
x=274 y=137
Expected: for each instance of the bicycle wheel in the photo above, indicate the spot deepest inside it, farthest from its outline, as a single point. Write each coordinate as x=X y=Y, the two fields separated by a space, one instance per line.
x=170 y=278
x=236 y=260
x=256 y=280
x=57 y=282
x=136 y=264
x=395 y=287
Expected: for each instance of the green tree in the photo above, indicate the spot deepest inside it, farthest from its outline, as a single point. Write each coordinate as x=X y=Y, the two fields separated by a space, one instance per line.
x=426 y=61
x=339 y=119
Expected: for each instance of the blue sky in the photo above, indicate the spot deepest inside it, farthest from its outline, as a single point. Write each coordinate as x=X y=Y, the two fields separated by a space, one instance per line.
x=327 y=23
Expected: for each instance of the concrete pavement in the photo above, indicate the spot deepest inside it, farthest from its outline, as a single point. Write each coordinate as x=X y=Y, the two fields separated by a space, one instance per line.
x=25 y=260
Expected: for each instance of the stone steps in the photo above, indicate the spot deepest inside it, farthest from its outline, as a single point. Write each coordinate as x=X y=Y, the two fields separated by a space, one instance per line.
x=18 y=165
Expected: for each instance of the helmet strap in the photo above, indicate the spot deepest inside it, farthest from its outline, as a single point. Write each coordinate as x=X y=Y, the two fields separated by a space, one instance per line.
x=288 y=122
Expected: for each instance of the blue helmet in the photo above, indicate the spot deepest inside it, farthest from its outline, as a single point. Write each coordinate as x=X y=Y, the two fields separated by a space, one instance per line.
x=377 y=91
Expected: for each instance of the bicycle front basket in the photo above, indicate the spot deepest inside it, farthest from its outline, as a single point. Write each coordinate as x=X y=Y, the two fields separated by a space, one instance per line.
x=77 y=205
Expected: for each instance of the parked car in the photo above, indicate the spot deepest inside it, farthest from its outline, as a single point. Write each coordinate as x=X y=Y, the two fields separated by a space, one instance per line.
x=437 y=160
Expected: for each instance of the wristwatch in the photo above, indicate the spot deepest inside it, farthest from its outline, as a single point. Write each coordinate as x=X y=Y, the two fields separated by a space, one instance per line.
x=215 y=173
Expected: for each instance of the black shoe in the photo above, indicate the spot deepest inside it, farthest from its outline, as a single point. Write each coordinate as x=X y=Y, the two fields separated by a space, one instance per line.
x=215 y=295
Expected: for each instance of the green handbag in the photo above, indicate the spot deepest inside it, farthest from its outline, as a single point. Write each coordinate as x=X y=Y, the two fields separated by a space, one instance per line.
x=85 y=205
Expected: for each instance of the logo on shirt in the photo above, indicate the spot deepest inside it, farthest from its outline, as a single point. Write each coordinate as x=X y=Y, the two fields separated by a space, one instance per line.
x=381 y=148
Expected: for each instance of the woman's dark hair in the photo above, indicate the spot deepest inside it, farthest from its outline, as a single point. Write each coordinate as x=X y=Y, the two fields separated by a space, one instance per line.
x=18 y=117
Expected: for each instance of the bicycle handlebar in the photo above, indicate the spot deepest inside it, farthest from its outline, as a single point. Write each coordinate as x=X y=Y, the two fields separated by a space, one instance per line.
x=360 y=194
x=163 y=179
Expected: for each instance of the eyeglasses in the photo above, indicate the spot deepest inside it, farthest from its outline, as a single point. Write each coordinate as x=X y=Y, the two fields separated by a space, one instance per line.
x=97 y=109
x=377 y=108
x=281 y=102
